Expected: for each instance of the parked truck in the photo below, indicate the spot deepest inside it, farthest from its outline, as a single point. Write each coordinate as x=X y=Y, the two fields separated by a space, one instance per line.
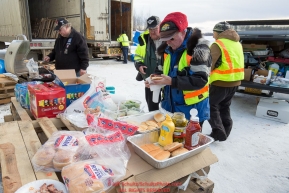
x=100 y=22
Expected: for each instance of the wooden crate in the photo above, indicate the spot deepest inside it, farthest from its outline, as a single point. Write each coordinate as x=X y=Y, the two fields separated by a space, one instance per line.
x=6 y=89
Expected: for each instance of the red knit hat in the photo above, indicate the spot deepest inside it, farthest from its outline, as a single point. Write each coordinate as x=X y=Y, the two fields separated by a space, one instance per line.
x=178 y=18
x=172 y=23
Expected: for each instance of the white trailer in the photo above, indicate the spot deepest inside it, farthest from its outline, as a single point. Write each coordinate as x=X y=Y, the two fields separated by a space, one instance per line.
x=100 y=21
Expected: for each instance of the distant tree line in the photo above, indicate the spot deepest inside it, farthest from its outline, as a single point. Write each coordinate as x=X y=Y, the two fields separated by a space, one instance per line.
x=139 y=20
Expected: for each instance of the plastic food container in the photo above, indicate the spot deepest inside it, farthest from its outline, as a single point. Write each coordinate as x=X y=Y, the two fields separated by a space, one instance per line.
x=131 y=104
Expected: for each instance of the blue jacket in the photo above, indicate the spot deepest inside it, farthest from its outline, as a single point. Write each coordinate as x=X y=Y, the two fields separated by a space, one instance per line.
x=173 y=99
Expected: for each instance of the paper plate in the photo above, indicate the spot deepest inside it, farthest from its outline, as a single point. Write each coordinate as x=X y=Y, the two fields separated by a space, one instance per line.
x=37 y=184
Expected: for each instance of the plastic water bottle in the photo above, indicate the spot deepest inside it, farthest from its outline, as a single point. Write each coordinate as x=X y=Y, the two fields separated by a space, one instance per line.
x=274 y=68
x=2 y=67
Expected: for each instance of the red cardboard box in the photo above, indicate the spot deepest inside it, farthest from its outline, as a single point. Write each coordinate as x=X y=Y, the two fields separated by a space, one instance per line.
x=46 y=100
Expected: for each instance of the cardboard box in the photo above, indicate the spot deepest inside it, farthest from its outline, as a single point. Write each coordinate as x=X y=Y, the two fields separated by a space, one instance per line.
x=254 y=47
x=46 y=100
x=74 y=86
x=262 y=72
x=273 y=109
x=277 y=48
x=276 y=43
x=247 y=74
x=142 y=177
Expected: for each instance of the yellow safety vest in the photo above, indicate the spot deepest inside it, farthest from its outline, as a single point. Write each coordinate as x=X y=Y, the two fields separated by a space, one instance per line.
x=232 y=67
x=190 y=96
x=123 y=39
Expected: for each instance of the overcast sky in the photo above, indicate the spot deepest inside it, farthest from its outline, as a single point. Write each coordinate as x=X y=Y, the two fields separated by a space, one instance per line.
x=206 y=13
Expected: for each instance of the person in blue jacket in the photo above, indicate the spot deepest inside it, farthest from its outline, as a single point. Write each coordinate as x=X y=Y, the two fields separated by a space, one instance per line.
x=185 y=67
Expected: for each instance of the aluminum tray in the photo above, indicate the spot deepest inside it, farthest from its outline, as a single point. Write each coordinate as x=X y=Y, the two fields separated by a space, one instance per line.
x=141 y=118
x=152 y=137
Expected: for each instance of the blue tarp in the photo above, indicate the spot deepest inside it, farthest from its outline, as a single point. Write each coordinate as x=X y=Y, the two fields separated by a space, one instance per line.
x=135 y=38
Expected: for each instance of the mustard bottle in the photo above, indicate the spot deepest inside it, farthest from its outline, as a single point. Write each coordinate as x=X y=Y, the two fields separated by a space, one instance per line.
x=167 y=131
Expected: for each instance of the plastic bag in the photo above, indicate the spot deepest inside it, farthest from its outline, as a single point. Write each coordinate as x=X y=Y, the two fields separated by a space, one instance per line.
x=285 y=53
x=106 y=157
x=93 y=176
x=104 y=143
x=94 y=98
x=32 y=68
x=61 y=149
x=21 y=93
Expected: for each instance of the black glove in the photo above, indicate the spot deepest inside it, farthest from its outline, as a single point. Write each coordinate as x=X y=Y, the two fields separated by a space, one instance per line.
x=138 y=64
x=139 y=77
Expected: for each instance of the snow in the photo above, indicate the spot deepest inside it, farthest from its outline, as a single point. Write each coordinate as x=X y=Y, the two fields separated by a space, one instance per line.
x=254 y=159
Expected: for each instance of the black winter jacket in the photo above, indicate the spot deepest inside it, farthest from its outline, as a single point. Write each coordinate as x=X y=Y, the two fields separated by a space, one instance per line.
x=76 y=56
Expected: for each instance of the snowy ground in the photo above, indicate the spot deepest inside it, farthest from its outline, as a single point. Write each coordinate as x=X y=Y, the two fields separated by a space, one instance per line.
x=255 y=157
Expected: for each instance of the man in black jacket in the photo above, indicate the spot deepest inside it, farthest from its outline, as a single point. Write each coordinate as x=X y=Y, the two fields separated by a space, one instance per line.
x=146 y=58
x=70 y=49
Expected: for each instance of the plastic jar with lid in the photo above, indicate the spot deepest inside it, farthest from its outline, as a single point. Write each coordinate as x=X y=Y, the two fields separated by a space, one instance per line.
x=179 y=119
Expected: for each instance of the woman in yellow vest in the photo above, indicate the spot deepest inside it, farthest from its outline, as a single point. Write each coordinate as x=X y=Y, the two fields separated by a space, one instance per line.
x=184 y=71
x=226 y=75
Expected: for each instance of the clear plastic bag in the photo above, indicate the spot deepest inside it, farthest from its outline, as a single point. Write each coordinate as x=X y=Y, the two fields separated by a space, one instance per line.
x=61 y=149
x=94 y=98
x=32 y=68
x=93 y=176
x=104 y=143
x=106 y=157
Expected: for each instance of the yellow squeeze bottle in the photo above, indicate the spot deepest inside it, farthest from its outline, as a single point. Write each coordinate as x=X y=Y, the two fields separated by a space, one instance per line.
x=167 y=131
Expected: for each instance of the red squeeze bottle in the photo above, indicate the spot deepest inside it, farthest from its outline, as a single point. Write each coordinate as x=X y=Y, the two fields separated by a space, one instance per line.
x=193 y=130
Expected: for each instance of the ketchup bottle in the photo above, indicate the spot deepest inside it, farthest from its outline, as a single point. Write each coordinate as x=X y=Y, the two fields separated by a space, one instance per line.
x=192 y=131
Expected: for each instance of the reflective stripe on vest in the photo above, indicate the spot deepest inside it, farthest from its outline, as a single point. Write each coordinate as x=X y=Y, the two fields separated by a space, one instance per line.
x=190 y=96
x=232 y=67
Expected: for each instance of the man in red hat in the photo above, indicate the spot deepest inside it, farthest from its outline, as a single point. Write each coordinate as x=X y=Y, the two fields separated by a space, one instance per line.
x=185 y=77
x=70 y=49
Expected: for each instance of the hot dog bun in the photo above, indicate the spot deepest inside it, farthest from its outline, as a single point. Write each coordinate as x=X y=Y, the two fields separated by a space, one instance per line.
x=179 y=151
x=173 y=146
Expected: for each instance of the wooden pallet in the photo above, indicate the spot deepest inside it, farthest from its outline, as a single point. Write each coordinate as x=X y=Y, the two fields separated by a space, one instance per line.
x=21 y=137
x=5 y=101
x=5 y=82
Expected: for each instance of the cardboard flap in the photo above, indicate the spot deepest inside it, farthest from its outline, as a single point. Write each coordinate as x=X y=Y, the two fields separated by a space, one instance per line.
x=144 y=174
x=178 y=170
x=65 y=74
x=84 y=79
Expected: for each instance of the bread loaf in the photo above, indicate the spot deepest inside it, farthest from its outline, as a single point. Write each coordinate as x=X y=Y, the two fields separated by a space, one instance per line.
x=159 y=117
x=179 y=151
x=173 y=146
